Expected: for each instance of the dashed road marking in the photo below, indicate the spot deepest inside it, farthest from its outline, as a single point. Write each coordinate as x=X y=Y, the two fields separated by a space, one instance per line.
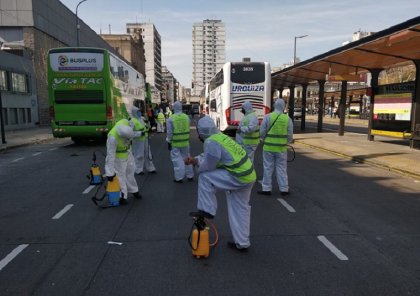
x=87 y=190
x=12 y=255
x=286 y=205
x=18 y=159
x=36 y=154
x=62 y=212
x=52 y=149
x=332 y=248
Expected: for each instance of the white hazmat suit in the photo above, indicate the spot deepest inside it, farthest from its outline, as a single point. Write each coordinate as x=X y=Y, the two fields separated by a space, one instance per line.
x=178 y=154
x=122 y=168
x=212 y=179
x=141 y=149
x=275 y=160
x=248 y=124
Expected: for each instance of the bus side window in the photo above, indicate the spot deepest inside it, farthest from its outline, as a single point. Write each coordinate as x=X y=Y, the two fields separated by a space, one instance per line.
x=213 y=105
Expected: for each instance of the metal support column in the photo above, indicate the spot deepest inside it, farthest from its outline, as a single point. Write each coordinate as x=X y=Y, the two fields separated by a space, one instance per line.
x=415 y=109
x=303 y=118
x=342 y=107
x=3 y=135
x=291 y=103
x=321 y=104
x=374 y=88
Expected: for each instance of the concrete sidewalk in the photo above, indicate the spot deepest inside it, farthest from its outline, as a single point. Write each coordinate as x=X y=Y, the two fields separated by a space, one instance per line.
x=382 y=152
x=26 y=136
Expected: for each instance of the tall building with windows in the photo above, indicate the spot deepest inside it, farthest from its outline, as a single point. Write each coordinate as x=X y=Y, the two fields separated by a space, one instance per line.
x=208 y=52
x=152 y=51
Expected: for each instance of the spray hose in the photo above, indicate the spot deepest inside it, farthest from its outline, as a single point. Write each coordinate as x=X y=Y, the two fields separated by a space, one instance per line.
x=291 y=154
x=216 y=234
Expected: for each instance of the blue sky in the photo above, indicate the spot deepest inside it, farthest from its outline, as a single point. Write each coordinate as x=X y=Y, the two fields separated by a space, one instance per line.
x=263 y=30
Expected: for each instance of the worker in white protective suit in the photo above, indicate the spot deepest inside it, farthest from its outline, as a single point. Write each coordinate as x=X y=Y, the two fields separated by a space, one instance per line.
x=160 y=122
x=224 y=165
x=178 y=138
x=248 y=135
x=276 y=132
x=119 y=159
x=141 y=149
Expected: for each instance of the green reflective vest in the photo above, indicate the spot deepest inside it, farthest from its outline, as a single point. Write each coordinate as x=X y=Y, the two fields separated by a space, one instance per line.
x=122 y=150
x=181 y=132
x=253 y=137
x=276 y=138
x=139 y=127
x=161 y=117
x=240 y=167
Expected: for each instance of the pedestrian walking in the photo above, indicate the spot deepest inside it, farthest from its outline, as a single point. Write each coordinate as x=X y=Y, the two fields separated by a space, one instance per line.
x=178 y=138
x=248 y=135
x=160 y=122
x=276 y=132
x=141 y=149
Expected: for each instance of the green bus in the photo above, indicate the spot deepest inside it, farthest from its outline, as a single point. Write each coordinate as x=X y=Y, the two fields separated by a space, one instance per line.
x=89 y=90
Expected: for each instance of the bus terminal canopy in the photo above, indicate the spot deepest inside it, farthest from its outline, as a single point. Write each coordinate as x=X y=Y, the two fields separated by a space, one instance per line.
x=397 y=45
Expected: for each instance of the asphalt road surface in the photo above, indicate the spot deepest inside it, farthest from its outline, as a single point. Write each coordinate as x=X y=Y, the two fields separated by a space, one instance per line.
x=346 y=229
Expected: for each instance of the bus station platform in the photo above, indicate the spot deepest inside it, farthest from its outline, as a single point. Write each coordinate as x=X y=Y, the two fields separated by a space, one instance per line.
x=391 y=154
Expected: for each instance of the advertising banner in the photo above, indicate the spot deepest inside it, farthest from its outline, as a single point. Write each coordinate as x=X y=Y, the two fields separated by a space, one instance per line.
x=77 y=62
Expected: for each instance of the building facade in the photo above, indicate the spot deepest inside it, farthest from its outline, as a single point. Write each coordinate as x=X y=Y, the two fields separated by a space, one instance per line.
x=152 y=51
x=129 y=47
x=208 y=52
x=170 y=86
x=37 y=26
x=18 y=92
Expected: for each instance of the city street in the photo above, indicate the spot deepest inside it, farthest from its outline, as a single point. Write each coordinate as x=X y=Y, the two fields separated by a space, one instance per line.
x=346 y=229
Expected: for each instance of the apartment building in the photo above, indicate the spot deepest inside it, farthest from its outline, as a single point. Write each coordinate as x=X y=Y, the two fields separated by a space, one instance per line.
x=152 y=51
x=208 y=52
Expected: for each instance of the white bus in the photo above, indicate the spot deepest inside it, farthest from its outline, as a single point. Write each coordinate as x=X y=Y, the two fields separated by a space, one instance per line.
x=232 y=86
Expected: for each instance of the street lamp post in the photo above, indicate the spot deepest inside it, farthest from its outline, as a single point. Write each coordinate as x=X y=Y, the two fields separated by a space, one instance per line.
x=294 y=49
x=77 y=23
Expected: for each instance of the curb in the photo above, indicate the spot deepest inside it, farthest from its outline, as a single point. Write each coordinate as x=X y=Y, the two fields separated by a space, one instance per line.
x=4 y=147
x=363 y=160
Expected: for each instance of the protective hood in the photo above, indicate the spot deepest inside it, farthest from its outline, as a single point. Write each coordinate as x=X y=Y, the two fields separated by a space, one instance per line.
x=177 y=107
x=206 y=127
x=247 y=106
x=279 y=105
x=135 y=112
x=125 y=132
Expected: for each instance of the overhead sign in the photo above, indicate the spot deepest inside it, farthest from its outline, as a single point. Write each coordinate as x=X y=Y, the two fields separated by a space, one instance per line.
x=77 y=62
x=347 y=77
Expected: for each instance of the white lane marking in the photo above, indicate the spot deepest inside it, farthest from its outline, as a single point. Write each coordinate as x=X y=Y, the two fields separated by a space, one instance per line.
x=12 y=255
x=115 y=243
x=36 y=154
x=18 y=159
x=62 y=212
x=286 y=205
x=332 y=248
x=52 y=149
x=87 y=190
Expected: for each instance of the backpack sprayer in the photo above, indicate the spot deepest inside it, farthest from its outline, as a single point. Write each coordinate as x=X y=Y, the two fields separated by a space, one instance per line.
x=199 y=239
x=112 y=192
x=112 y=188
x=95 y=176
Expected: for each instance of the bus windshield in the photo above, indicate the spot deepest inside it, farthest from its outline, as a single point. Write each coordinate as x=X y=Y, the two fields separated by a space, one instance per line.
x=247 y=73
